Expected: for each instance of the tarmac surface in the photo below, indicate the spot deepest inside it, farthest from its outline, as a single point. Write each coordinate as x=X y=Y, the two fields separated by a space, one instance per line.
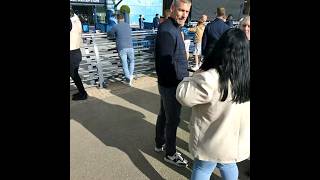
x=112 y=135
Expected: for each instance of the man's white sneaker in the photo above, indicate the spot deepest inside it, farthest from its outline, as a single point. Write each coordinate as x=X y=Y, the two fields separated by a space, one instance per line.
x=131 y=81
x=176 y=159
x=163 y=147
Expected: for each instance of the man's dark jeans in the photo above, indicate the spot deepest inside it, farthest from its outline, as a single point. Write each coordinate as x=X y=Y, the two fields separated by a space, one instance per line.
x=168 y=120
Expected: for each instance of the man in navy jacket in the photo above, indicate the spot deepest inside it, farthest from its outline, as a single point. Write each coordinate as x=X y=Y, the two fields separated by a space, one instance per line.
x=156 y=21
x=171 y=68
x=213 y=31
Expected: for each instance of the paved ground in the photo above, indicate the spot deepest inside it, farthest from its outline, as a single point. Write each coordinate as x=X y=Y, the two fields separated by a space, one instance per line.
x=112 y=135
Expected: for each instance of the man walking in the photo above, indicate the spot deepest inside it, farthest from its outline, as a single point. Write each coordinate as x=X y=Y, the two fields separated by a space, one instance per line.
x=76 y=56
x=122 y=32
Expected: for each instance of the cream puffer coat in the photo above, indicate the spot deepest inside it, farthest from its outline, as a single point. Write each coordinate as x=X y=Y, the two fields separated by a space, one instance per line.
x=219 y=131
x=75 y=33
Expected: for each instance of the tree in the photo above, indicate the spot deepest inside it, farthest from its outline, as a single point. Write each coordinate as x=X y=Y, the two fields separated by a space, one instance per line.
x=125 y=10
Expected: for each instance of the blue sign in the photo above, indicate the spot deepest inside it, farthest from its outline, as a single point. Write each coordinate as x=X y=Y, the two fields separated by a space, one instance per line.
x=85 y=27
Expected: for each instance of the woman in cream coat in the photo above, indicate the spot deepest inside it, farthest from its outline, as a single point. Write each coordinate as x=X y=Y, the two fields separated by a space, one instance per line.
x=219 y=94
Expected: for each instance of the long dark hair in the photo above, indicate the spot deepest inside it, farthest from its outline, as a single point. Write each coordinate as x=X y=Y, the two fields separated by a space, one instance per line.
x=231 y=58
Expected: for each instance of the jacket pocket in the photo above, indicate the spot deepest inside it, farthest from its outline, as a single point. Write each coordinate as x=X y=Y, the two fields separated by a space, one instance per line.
x=181 y=67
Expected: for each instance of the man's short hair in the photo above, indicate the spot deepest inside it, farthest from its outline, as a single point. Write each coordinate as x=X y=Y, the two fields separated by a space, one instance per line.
x=175 y=2
x=119 y=16
x=221 y=11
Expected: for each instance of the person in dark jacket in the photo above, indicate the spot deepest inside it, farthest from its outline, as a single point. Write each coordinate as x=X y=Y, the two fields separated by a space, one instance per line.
x=156 y=21
x=213 y=31
x=229 y=20
x=171 y=68
x=141 y=21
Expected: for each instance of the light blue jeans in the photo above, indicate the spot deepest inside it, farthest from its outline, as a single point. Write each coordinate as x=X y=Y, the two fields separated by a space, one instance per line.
x=127 y=60
x=202 y=170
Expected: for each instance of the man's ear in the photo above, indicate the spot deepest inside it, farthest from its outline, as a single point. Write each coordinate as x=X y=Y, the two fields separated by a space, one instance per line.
x=172 y=7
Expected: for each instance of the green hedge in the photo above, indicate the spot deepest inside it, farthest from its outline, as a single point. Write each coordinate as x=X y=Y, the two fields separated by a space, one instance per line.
x=125 y=9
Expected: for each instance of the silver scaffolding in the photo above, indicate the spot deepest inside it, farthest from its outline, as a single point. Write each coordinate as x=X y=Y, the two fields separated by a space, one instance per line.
x=100 y=61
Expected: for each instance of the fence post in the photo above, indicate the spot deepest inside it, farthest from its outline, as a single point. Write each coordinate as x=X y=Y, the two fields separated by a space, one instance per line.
x=99 y=67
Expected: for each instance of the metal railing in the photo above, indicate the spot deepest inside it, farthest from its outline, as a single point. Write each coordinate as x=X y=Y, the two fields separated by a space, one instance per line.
x=101 y=63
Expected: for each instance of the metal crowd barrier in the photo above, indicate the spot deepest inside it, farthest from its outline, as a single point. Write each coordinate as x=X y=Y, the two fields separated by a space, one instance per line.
x=100 y=61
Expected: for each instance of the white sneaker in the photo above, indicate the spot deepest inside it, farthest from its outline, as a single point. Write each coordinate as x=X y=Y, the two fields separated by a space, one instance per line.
x=131 y=80
x=163 y=148
x=176 y=159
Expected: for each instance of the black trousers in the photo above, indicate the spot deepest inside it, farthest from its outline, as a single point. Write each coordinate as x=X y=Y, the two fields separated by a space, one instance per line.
x=75 y=59
x=168 y=119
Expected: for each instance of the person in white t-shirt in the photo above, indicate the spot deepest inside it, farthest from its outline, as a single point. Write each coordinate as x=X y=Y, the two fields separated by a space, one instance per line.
x=75 y=55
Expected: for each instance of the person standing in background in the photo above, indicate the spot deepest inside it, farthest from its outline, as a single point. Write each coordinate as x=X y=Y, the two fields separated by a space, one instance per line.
x=156 y=21
x=199 y=29
x=75 y=55
x=213 y=31
x=141 y=21
x=187 y=41
x=245 y=25
x=229 y=20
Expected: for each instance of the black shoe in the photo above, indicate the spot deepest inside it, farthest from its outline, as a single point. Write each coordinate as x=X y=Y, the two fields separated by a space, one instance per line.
x=76 y=94
x=80 y=96
x=248 y=173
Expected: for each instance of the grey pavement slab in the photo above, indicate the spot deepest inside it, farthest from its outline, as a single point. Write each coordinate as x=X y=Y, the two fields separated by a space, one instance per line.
x=112 y=135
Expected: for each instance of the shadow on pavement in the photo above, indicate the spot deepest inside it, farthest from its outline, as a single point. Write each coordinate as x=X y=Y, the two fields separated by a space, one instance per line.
x=125 y=129
x=151 y=102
